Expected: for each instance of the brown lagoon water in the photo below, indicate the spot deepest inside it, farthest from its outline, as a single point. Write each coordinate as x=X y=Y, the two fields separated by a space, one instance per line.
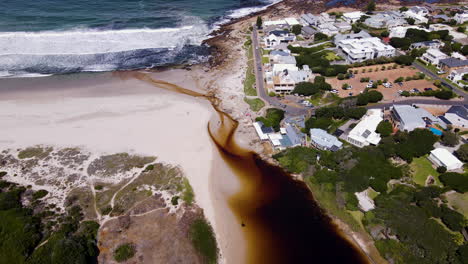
x=282 y=221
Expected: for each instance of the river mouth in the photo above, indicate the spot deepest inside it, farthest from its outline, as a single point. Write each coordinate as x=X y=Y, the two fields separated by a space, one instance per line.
x=280 y=219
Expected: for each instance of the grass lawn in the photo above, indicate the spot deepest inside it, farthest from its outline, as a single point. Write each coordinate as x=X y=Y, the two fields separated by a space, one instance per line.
x=255 y=104
x=430 y=67
x=358 y=216
x=265 y=52
x=336 y=124
x=372 y=194
x=421 y=168
x=459 y=202
x=265 y=60
x=328 y=99
x=331 y=56
x=249 y=76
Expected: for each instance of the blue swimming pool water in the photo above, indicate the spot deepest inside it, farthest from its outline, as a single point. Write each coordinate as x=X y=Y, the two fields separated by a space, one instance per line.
x=436 y=132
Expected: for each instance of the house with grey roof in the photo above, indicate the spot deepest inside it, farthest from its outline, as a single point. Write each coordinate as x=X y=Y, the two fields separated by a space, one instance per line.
x=456 y=76
x=385 y=20
x=361 y=35
x=452 y=64
x=309 y=20
x=431 y=44
x=308 y=32
x=324 y=141
x=458 y=115
x=408 y=118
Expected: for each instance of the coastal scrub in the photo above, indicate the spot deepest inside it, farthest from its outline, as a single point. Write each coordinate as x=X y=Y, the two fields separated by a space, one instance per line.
x=204 y=241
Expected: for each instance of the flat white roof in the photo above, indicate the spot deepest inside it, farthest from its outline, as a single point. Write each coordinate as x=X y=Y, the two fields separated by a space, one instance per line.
x=365 y=202
x=363 y=45
x=259 y=131
x=436 y=53
x=365 y=129
x=447 y=158
x=291 y=21
x=355 y=14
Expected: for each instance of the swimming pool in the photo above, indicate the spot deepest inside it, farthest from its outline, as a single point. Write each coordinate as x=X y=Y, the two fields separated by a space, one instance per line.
x=436 y=131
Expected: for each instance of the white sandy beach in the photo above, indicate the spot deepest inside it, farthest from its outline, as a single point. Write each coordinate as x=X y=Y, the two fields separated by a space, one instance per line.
x=105 y=114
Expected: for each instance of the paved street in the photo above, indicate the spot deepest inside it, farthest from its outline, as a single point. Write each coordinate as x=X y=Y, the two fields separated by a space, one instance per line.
x=260 y=82
x=428 y=101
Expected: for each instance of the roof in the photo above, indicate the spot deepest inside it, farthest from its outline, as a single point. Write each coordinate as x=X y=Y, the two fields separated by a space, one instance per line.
x=444 y=17
x=412 y=117
x=291 y=21
x=436 y=53
x=453 y=62
x=286 y=59
x=355 y=14
x=447 y=158
x=279 y=33
x=294 y=136
x=360 y=35
x=279 y=53
x=364 y=131
x=258 y=128
x=322 y=138
x=308 y=30
x=459 y=110
x=426 y=43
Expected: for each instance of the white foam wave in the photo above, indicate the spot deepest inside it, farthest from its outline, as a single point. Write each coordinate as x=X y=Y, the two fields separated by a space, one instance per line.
x=7 y=74
x=96 y=42
x=241 y=12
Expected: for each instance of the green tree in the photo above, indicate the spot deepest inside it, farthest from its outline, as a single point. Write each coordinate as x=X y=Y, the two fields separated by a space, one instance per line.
x=259 y=22
x=462 y=152
x=444 y=94
x=456 y=181
x=461 y=29
x=320 y=36
x=404 y=60
x=410 y=20
x=124 y=252
x=272 y=118
x=403 y=9
x=370 y=6
x=296 y=29
x=450 y=139
x=384 y=128
x=385 y=34
x=306 y=88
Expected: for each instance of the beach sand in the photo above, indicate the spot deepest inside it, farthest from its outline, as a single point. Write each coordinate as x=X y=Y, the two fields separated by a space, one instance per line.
x=105 y=113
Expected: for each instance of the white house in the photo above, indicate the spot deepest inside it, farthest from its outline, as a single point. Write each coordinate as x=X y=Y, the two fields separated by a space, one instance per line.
x=457 y=115
x=419 y=10
x=343 y=26
x=358 y=50
x=325 y=18
x=418 y=18
x=385 y=20
x=433 y=56
x=328 y=29
x=461 y=18
x=322 y=140
x=408 y=118
x=262 y=130
x=443 y=157
x=456 y=76
x=292 y=21
x=286 y=80
x=309 y=20
x=278 y=36
x=352 y=17
x=363 y=134
x=365 y=203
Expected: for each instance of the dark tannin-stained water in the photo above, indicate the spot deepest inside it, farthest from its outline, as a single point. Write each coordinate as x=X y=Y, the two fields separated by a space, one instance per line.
x=282 y=221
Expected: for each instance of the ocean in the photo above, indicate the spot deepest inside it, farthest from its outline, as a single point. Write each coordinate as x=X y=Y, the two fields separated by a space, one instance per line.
x=45 y=37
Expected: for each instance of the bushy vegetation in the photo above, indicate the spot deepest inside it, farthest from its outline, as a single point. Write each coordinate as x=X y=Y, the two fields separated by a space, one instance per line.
x=40 y=194
x=296 y=160
x=384 y=128
x=204 y=241
x=450 y=139
x=369 y=97
x=307 y=88
x=456 y=181
x=21 y=232
x=124 y=252
x=272 y=118
x=417 y=143
x=416 y=35
x=315 y=58
x=462 y=152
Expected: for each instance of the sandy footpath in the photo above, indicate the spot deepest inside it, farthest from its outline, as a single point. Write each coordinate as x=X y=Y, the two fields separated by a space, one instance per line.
x=104 y=113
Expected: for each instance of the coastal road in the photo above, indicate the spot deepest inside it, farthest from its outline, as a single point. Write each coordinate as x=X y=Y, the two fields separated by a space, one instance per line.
x=260 y=82
x=428 y=101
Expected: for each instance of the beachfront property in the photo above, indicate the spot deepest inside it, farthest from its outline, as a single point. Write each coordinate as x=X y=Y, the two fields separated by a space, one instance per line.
x=308 y=32
x=457 y=115
x=365 y=203
x=430 y=44
x=433 y=56
x=408 y=118
x=289 y=22
x=284 y=81
x=359 y=47
x=452 y=32
x=282 y=59
x=443 y=157
x=309 y=20
x=276 y=37
x=343 y=26
x=352 y=17
x=461 y=18
x=320 y=139
x=450 y=64
x=400 y=32
x=363 y=134
x=328 y=29
x=456 y=76
x=288 y=136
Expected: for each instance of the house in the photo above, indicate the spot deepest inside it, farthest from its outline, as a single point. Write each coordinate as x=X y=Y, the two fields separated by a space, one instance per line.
x=365 y=203
x=285 y=81
x=343 y=26
x=363 y=134
x=400 y=32
x=408 y=118
x=325 y=18
x=352 y=17
x=457 y=115
x=262 y=130
x=461 y=18
x=433 y=56
x=418 y=17
x=456 y=76
x=443 y=157
x=440 y=18
x=279 y=23
x=322 y=140
x=385 y=20
x=358 y=50
x=288 y=59
x=308 y=32
x=419 y=10
x=278 y=36
x=362 y=34
x=449 y=64
x=309 y=20
x=288 y=137
x=431 y=44
x=452 y=32
x=328 y=29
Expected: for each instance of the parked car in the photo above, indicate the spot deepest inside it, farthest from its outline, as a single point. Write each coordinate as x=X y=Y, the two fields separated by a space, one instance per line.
x=334 y=91
x=440 y=72
x=350 y=94
x=427 y=89
x=387 y=85
x=400 y=83
x=415 y=90
x=400 y=91
x=369 y=85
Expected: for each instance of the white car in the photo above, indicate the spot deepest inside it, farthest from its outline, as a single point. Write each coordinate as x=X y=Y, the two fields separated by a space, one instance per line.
x=334 y=91
x=387 y=85
x=369 y=85
x=440 y=72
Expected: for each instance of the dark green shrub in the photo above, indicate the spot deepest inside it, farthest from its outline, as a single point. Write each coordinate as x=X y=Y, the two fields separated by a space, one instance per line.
x=124 y=252
x=39 y=194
